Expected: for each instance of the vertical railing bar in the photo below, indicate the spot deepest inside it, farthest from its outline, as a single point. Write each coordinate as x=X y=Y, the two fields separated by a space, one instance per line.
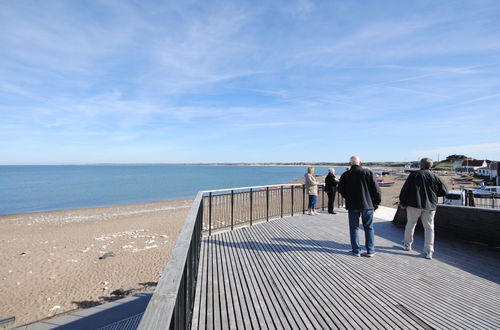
x=267 y=203
x=322 y=198
x=303 y=199
x=251 y=205
x=293 y=188
x=209 y=213
x=281 y=201
x=232 y=208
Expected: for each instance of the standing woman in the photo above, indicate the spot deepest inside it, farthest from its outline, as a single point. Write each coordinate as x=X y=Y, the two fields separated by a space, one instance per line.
x=331 y=189
x=312 y=190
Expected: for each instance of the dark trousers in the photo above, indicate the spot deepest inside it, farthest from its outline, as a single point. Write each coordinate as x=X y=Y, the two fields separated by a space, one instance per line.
x=331 y=200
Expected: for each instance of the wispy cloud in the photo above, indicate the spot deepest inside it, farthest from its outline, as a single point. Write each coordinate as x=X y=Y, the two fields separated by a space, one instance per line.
x=150 y=73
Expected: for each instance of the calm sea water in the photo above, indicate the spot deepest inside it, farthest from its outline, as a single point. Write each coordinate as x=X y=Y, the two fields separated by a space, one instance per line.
x=26 y=189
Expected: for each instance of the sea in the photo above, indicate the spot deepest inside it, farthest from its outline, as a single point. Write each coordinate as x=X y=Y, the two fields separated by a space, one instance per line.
x=26 y=189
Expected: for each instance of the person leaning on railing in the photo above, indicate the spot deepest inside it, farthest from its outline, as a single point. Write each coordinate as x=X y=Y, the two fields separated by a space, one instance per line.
x=331 y=189
x=312 y=190
x=419 y=195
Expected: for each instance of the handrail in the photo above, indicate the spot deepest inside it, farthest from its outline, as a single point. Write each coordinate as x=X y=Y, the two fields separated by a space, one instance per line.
x=172 y=302
x=170 y=306
x=255 y=187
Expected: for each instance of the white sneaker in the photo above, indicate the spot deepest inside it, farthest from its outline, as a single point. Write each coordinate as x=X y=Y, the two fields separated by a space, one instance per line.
x=406 y=247
x=310 y=213
x=428 y=255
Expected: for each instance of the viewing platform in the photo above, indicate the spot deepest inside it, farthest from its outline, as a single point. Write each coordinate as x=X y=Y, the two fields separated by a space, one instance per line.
x=249 y=258
x=298 y=273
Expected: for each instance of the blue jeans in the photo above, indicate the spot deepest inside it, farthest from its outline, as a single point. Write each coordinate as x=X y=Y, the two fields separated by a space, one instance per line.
x=367 y=218
x=312 y=202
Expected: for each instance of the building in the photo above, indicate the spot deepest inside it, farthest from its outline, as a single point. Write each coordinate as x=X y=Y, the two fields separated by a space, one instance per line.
x=470 y=166
x=484 y=171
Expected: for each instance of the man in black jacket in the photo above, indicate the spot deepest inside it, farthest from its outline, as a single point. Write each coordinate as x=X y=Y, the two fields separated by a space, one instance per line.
x=419 y=196
x=362 y=194
x=331 y=189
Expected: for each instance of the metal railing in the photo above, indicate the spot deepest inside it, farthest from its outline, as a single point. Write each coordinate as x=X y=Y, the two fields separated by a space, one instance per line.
x=230 y=208
x=171 y=305
x=483 y=200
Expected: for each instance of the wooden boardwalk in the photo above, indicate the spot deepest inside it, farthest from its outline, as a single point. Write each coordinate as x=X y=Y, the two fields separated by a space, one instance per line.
x=297 y=273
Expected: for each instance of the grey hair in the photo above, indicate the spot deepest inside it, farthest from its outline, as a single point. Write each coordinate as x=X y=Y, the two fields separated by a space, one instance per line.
x=310 y=169
x=426 y=163
x=355 y=160
x=331 y=170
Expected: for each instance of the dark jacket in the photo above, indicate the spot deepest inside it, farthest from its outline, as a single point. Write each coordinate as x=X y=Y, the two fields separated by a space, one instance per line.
x=421 y=190
x=330 y=183
x=359 y=188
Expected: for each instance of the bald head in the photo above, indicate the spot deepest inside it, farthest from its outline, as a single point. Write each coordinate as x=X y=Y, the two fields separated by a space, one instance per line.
x=355 y=160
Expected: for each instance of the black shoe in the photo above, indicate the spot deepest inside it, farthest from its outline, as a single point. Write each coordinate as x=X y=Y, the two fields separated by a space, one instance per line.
x=334 y=212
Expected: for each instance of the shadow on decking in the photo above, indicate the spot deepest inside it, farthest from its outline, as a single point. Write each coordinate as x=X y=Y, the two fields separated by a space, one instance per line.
x=480 y=260
x=281 y=247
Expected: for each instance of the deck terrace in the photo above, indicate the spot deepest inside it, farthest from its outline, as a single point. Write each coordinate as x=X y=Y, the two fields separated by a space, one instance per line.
x=297 y=273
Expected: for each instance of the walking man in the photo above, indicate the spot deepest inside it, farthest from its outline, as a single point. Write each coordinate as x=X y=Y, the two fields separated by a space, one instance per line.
x=331 y=189
x=419 y=196
x=362 y=196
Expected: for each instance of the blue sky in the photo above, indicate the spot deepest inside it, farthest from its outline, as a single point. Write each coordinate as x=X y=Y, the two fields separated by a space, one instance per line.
x=248 y=81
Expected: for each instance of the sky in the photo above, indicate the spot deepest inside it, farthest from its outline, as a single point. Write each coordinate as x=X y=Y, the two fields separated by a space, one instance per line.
x=248 y=81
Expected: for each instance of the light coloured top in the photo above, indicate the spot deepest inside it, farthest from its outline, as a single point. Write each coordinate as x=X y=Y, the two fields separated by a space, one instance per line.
x=311 y=184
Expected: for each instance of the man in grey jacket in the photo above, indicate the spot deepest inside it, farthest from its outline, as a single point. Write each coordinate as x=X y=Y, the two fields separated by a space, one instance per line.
x=419 y=196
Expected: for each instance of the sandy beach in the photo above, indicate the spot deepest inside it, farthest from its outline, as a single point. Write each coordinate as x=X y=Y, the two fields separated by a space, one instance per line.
x=50 y=261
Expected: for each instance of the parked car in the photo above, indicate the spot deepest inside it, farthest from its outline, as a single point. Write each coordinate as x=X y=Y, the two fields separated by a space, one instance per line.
x=454 y=197
x=487 y=191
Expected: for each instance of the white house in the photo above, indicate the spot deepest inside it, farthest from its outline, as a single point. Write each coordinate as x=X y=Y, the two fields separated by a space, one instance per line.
x=484 y=171
x=470 y=166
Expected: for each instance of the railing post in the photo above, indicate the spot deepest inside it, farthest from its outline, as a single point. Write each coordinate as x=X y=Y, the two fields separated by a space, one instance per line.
x=281 y=202
x=323 y=199
x=293 y=188
x=492 y=200
x=232 y=208
x=251 y=205
x=209 y=213
x=303 y=199
x=267 y=203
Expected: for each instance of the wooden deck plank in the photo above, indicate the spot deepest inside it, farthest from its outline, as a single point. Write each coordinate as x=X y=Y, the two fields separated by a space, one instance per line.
x=256 y=299
x=222 y=303
x=273 y=314
x=328 y=321
x=248 y=316
x=285 y=295
x=237 y=310
x=348 y=286
x=297 y=273
x=199 y=307
x=404 y=298
x=363 y=293
x=427 y=298
x=228 y=296
x=285 y=317
x=294 y=289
